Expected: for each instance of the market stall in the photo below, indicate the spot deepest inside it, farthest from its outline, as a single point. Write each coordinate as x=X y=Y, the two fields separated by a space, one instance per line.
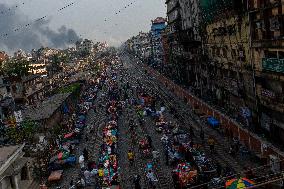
x=239 y=183
x=185 y=175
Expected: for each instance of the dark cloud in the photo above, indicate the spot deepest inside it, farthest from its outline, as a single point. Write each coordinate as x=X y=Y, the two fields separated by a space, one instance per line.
x=37 y=34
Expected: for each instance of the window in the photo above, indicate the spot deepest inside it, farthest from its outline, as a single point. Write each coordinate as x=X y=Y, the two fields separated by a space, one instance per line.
x=225 y=53
x=281 y=54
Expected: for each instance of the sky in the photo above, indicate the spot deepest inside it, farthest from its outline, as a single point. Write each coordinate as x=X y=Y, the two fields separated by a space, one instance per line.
x=93 y=19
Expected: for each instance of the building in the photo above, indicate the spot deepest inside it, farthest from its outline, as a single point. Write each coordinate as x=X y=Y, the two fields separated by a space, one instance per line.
x=166 y=51
x=15 y=169
x=230 y=54
x=158 y=26
x=175 y=49
x=140 y=45
x=184 y=40
x=226 y=77
x=6 y=100
x=189 y=42
x=85 y=46
x=267 y=48
x=38 y=68
x=3 y=56
x=20 y=54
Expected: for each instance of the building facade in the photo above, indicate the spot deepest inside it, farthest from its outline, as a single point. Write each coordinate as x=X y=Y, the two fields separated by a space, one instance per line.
x=230 y=54
x=267 y=48
x=85 y=46
x=15 y=170
x=158 y=26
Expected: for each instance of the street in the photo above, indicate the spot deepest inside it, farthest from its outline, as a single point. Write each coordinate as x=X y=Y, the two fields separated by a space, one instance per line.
x=131 y=81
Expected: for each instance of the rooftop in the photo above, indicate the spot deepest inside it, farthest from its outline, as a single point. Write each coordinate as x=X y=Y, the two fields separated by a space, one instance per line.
x=45 y=109
x=6 y=152
x=159 y=20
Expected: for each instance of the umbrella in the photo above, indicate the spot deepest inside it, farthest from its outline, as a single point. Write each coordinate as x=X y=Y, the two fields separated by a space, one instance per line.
x=240 y=183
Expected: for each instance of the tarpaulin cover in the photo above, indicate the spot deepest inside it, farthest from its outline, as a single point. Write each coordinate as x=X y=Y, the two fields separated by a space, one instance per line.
x=55 y=175
x=212 y=121
x=69 y=135
x=63 y=155
x=71 y=159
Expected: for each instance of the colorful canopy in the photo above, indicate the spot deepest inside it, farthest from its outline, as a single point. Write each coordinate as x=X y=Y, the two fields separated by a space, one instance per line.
x=240 y=183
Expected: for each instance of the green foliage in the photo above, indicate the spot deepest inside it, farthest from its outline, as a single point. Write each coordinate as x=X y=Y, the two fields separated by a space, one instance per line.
x=24 y=131
x=16 y=68
x=69 y=89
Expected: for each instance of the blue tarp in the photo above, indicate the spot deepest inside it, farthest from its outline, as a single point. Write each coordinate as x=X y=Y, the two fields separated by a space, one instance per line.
x=70 y=160
x=213 y=121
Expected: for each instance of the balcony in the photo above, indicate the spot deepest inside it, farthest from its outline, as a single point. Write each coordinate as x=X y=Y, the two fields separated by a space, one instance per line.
x=273 y=64
x=261 y=42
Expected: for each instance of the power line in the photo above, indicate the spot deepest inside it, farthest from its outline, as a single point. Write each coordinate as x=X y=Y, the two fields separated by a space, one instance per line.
x=6 y=34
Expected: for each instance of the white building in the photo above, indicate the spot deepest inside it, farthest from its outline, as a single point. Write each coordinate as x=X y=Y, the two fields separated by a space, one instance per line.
x=14 y=168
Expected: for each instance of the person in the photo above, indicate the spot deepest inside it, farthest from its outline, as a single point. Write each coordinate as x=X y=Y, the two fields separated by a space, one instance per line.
x=86 y=154
x=72 y=185
x=87 y=175
x=151 y=178
x=165 y=139
x=219 y=169
x=232 y=150
x=191 y=131
x=130 y=156
x=136 y=182
x=149 y=139
x=83 y=183
x=175 y=179
x=101 y=173
x=211 y=143
x=249 y=173
x=155 y=154
x=82 y=161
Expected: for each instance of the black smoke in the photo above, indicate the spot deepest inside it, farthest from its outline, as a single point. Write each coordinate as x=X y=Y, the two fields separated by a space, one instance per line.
x=33 y=36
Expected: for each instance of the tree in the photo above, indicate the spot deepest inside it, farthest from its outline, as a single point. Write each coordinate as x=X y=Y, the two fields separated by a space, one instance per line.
x=24 y=131
x=17 y=68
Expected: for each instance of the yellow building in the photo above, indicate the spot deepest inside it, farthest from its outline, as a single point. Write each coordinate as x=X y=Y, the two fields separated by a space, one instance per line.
x=228 y=73
x=267 y=48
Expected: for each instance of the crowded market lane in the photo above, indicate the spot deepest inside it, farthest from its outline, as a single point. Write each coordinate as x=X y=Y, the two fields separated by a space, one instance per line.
x=138 y=135
x=185 y=117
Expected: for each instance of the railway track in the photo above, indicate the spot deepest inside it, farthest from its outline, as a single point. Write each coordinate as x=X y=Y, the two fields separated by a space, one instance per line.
x=186 y=117
x=164 y=181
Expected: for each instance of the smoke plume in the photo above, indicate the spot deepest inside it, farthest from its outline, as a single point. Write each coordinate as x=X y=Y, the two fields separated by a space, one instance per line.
x=34 y=36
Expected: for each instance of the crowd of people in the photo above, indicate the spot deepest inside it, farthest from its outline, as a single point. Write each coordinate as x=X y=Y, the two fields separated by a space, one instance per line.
x=180 y=151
